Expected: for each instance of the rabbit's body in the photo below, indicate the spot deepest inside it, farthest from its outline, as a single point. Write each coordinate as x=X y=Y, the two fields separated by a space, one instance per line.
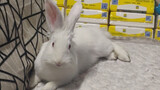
x=89 y=47
x=86 y=53
x=70 y=51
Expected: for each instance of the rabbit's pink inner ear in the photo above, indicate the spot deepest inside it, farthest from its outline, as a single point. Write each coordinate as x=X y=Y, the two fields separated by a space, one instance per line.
x=51 y=13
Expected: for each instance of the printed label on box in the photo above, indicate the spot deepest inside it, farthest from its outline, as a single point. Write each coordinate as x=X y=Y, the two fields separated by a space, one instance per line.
x=104 y=6
x=132 y=17
x=115 y=2
x=148 y=18
x=148 y=34
x=137 y=7
x=124 y=30
x=130 y=31
x=145 y=6
x=104 y=14
x=87 y=4
x=158 y=34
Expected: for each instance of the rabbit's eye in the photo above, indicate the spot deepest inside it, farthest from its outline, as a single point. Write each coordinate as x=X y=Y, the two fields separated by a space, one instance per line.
x=53 y=44
x=69 y=46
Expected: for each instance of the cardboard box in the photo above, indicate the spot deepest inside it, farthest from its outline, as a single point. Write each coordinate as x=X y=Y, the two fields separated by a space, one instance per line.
x=102 y=26
x=62 y=10
x=130 y=31
x=87 y=4
x=146 y=6
x=132 y=19
x=158 y=22
x=157 y=34
x=92 y=16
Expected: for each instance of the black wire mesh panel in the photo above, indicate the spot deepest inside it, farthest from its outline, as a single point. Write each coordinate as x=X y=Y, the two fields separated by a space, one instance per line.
x=22 y=31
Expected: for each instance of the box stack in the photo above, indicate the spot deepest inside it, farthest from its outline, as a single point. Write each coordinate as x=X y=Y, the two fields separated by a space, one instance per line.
x=95 y=12
x=132 y=18
x=157 y=31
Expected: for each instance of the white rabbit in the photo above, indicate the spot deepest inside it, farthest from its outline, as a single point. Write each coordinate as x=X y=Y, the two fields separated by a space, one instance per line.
x=70 y=50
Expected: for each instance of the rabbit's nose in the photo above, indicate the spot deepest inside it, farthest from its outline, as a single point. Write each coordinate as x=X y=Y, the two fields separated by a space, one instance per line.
x=58 y=64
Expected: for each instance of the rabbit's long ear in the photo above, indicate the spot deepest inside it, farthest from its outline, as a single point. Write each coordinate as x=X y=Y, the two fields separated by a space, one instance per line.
x=53 y=15
x=73 y=16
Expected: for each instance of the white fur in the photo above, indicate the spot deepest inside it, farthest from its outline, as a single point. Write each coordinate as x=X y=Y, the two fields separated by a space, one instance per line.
x=57 y=64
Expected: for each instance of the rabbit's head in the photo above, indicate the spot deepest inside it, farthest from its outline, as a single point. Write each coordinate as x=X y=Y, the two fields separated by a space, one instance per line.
x=59 y=48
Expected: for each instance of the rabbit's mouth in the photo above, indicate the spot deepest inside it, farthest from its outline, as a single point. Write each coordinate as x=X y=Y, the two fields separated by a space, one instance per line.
x=56 y=65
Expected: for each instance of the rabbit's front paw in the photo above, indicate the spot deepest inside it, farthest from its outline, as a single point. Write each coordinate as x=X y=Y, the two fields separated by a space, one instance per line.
x=34 y=80
x=50 y=86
